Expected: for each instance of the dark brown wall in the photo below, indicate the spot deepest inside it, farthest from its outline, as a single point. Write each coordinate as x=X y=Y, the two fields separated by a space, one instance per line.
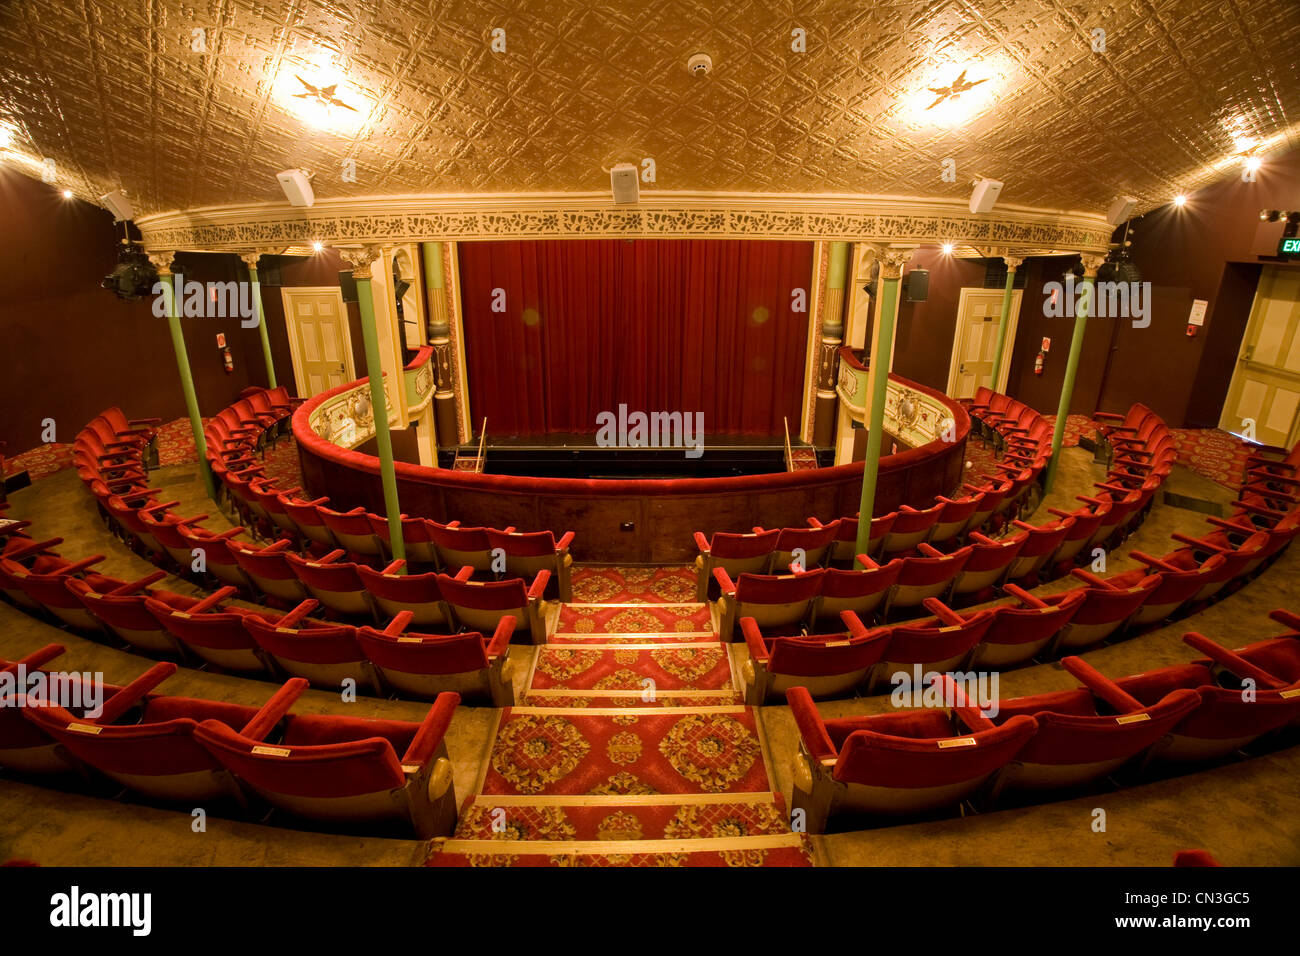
x=1208 y=250
x=71 y=348
x=923 y=340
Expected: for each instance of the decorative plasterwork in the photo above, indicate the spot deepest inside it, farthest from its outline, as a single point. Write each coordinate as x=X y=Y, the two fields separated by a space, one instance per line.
x=912 y=417
x=592 y=216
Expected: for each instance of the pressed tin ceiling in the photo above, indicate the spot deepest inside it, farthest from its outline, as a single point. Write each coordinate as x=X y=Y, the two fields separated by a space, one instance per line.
x=115 y=94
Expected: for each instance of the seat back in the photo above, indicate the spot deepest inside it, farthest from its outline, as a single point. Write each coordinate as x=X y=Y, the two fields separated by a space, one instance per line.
x=860 y=591
x=459 y=547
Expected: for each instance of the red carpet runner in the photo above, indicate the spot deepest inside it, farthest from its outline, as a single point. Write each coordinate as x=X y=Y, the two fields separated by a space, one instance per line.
x=630 y=748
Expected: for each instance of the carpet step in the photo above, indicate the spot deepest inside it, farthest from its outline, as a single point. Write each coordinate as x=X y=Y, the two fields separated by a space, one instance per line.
x=775 y=850
x=601 y=637
x=692 y=699
x=658 y=667
x=634 y=618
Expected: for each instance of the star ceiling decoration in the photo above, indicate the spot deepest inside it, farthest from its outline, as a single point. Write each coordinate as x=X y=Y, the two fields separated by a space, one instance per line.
x=324 y=95
x=953 y=90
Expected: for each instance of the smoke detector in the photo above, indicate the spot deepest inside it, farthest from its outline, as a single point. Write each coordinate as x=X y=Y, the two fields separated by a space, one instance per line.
x=700 y=64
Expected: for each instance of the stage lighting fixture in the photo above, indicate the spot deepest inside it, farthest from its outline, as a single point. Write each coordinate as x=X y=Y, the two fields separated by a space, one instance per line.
x=134 y=275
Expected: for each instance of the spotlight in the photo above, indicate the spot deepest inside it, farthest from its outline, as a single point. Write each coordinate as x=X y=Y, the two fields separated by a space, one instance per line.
x=947 y=248
x=67 y=194
x=134 y=275
x=1253 y=164
x=317 y=246
x=1180 y=200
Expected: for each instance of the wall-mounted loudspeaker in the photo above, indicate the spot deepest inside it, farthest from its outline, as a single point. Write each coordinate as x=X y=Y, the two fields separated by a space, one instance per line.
x=297 y=187
x=117 y=203
x=625 y=182
x=1121 y=210
x=984 y=195
x=918 y=285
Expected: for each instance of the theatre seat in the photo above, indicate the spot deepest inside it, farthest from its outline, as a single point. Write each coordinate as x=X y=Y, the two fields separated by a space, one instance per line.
x=426 y=665
x=531 y=552
x=482 y=605
x=943 y=642
x=459 y=547
x=325 y=654
x=736 y=554
x=212 y=631
x=25 y=747
x=827 y=665
x=928 y=574
x=911 y=527
x=122 y=611
x=269 y=570
x=1083 y=735
x=334 y=582
x=353 y=531
x=809 y=547
x=779 y=603
x=343 y=770
x=863 y=590
x=845 y=547
x=893 y=765
x=146 y=743
x=1105 y=610
x=1019 y=633
x=988 y=565
x=393 y=592
x=416 y=536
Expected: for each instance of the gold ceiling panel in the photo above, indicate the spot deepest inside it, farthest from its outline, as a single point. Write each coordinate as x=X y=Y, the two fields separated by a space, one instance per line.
x=116 y=94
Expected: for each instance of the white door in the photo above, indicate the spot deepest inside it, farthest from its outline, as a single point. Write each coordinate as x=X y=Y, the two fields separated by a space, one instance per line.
x=1264 y=396
x=975 y=341
x=318 y=338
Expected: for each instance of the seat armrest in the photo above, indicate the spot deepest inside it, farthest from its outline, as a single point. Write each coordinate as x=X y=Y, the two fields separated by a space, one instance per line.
x=724 y=581
x=539 y=585
x=273 y=710
x=132 y=693
x=432 y=731
x=501 y=638
x=702 y=543
x=753 y=639
x=1101 y=685
x=811 y=728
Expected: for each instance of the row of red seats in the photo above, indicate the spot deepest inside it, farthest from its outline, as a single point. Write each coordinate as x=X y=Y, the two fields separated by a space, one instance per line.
x=776 y=613
x=229 y=758
x=210 y=630
x=925 y=760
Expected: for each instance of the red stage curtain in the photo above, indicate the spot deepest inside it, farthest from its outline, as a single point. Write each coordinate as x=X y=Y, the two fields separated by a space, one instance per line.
x=659 y=325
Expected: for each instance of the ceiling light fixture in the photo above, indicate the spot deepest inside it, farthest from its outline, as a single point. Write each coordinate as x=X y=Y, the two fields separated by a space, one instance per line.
x=1253 y=163
x=67 y=194
x=947 y=248
x=317 y=246
x=1180 y=200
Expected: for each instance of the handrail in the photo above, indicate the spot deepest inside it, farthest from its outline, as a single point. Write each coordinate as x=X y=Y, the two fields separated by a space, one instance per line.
x=789 y=455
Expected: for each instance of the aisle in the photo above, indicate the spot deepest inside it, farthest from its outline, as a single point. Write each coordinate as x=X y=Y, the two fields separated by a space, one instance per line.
x=630 y=748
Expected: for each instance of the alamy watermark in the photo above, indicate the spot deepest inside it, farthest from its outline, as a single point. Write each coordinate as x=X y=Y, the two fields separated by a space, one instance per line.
x=213 y=300
x=81 y=692
x=917 y=689
x=651 y=430
x=1099 y=300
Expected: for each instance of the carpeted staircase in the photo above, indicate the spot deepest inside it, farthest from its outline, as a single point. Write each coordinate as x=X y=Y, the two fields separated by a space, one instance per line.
x=631 y=748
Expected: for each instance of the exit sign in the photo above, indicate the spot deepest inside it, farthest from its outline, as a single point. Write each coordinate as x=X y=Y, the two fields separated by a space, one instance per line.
x=1289 y=246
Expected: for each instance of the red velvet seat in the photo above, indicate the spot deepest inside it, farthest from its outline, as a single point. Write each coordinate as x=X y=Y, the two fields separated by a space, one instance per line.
x=47 y=585
x=893 y=765
x=1086 y=521
x=845 y=547
x=1105 y=610
x=987 y=565
x=941 y=643
x=481 y=605
x=212 y=631
x=911 y=527
x=927 y=575
x=811 y=544
x=218 y=558
x=416 y=536
x=325 y=654
x=827 y=665
x=343 y=770
x=394 y=592
x=1020 y=632
x=990 y=496
x=459 y=547
x=1177 y=587
x=154 y=752
x=776 y=602
x=1084 y=735
x=353 y=531
x=122 y=611
x=426 y=665
x=954 y=517
x=269 y=570
x=863 y=590
x=307 y=518
x=21 y=558
x=335 y=583
x=1040 y=544
x=528 y=553
x=24 y=747
x=1227 y=719
x=734 y=553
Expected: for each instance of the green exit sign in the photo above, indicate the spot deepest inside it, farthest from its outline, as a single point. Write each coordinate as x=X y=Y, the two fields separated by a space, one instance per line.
x=1289 y=246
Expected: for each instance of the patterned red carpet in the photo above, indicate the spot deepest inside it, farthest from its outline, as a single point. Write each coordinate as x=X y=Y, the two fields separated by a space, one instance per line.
x=631 y=749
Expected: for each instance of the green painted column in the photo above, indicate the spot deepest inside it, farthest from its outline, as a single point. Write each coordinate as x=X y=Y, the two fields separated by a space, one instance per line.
x=881 y=350
x=379 y=407
x=171 y=284
x=251 y=261
x=1012 y=265
x=1071 y=369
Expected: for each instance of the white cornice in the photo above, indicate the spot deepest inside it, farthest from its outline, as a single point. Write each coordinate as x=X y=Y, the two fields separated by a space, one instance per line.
x=858 y=218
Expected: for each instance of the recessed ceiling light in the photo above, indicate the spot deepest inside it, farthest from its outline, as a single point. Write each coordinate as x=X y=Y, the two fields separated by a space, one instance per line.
x=317 y=246
x=1180 y=200
x=947 y=248
x=67 y=194
x=1253 y=164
